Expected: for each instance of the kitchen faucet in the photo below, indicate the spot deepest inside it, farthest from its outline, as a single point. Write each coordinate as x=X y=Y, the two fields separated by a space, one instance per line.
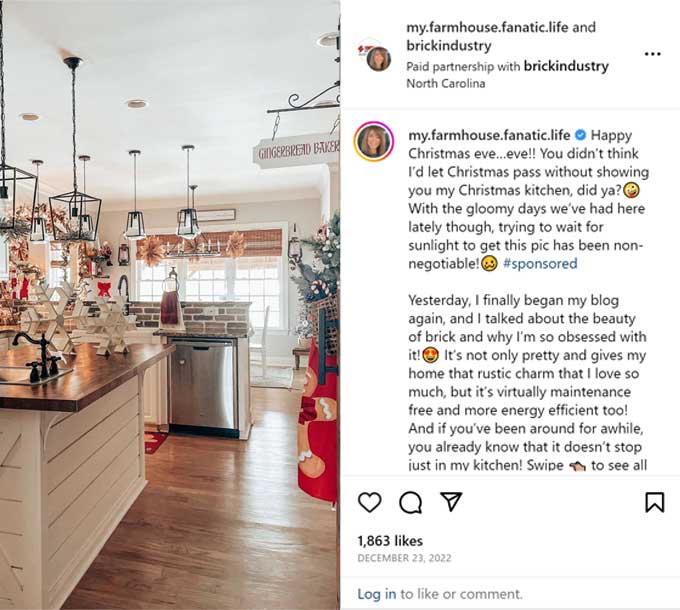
x=43 y=343
x=126 y=307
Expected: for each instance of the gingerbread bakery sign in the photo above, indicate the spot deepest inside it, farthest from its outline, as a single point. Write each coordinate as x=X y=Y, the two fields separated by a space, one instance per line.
x=311 y=149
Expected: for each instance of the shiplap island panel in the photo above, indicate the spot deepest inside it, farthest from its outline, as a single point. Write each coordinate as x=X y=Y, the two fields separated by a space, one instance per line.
x=68 y=473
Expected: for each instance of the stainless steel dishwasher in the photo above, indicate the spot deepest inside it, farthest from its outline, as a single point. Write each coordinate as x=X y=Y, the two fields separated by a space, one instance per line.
x=203 y=388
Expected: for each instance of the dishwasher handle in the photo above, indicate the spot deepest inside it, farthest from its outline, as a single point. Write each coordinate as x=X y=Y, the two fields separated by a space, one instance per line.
x=204 y=345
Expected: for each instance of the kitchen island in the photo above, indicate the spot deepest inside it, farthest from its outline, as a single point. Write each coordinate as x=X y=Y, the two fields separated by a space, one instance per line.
x=71 y=464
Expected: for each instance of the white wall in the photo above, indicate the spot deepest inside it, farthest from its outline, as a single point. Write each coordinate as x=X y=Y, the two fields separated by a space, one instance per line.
x=330 y=191
x=305 y=212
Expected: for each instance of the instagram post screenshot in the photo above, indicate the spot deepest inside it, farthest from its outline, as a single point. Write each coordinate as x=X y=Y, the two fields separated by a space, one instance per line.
x=509 y=315
x=335 y=304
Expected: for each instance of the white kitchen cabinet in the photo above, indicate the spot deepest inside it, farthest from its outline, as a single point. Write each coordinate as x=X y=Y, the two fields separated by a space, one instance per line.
x=155 y=381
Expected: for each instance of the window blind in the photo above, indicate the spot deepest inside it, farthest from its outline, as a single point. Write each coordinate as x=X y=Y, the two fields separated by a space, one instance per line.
x=259 y=242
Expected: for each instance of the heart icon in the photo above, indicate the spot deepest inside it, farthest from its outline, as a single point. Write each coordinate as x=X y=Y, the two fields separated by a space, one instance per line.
x=369 y=501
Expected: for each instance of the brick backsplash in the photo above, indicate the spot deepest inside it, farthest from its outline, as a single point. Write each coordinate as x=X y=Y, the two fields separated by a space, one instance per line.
x=231 y=317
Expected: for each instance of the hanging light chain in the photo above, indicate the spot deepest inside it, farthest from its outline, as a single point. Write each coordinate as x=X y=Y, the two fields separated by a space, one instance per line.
x=2 y=89
x=73 y=118
x=336 y=123
x=188 y=151
x=134 y=160
x=277 y=121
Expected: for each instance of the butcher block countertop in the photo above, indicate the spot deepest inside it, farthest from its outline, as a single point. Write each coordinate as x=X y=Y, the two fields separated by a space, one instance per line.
x=92 y=377
x=9 y=331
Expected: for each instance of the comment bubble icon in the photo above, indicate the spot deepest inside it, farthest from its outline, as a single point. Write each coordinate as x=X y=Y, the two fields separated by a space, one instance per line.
x=411 y=503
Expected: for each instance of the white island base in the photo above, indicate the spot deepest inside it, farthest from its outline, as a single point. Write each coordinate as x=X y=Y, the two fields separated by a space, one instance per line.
x=66 y=481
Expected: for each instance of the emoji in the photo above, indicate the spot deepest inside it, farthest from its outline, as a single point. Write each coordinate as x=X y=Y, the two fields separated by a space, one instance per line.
x=631 y=190
x=430 y=354
x=578 y=467
x=489 y=263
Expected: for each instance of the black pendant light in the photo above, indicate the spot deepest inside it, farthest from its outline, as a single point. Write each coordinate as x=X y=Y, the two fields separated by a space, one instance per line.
x=10 y=177
x=82 y=210
x=38 y=234
x=134 y=229
x=187 y=219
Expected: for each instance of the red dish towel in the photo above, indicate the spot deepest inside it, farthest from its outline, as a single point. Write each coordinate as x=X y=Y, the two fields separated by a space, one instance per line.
x=169 y=307
x=317 y=432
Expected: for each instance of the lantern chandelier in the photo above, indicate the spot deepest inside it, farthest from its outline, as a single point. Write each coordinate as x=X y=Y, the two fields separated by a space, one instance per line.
x=134 y=229
x=197 y=247
x=187 y=219
x=82 y=217
x=10 y=177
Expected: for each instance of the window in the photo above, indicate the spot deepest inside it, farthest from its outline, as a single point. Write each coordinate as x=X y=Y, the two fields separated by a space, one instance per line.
x=60 y=269
x=207 y=280
x=57 y=275
x=257 y=279
x=150 y=281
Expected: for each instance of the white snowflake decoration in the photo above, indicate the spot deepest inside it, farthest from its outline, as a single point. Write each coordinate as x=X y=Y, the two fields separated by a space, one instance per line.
x=44 y=310
x=108 y=328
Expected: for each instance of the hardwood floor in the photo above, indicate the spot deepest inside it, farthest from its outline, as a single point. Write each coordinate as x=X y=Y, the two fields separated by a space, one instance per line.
x=223 y=525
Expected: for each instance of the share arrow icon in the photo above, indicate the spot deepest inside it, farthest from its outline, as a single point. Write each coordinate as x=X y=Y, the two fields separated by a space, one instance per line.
x=452 y=498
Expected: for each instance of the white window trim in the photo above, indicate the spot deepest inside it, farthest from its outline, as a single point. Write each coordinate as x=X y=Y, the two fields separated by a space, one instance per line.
x=285 y=271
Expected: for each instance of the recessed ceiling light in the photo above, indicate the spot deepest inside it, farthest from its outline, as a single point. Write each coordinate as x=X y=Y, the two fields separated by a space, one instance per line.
x=328 y=39
x=29 y=116
x=136 y=103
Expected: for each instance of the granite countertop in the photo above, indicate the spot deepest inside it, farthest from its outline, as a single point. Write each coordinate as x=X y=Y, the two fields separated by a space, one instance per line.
x=92 y=377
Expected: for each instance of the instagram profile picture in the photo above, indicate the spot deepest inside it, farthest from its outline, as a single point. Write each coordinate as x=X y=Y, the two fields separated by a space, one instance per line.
x=378 y=59
x=373 y=141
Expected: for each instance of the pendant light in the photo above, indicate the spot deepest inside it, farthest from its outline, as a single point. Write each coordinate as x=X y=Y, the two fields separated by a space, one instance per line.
x=10 y=177
x=134 y=228
x=38 y=234
x=82 y=218
x=187 y=219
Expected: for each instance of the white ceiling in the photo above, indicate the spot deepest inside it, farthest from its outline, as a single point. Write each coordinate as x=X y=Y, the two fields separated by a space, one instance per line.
x=209 y=69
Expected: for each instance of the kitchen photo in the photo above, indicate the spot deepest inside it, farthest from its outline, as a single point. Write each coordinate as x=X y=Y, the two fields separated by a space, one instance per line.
x=169 y=319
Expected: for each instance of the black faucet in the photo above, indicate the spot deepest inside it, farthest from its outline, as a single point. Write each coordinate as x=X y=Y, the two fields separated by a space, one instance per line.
x=126 y=307
x=43 y=343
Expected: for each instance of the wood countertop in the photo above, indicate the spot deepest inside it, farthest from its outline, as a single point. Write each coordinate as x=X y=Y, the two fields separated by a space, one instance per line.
x=92 y=377
x=9 y=331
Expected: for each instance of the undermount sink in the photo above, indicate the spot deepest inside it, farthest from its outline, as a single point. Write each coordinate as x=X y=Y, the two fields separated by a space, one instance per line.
x=19 y=375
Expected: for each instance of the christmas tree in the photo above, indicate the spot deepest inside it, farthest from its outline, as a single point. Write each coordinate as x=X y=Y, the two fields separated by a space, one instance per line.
x=322 y=278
